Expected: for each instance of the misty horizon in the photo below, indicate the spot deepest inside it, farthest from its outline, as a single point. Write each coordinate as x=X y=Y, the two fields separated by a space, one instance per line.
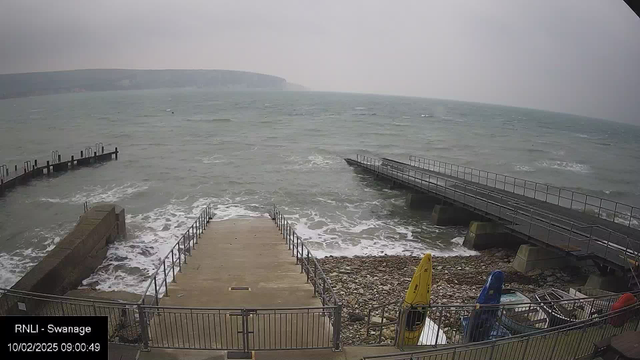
x=574 y=57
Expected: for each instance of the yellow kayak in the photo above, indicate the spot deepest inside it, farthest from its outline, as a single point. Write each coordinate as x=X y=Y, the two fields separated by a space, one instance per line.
x=419 y=293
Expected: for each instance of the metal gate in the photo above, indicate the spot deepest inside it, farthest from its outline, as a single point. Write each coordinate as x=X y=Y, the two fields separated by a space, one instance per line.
x=241 y=329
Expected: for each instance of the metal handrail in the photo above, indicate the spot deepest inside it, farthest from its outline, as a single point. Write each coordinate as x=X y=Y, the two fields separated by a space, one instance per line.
x=445 y=311
x=188 y=241
x=69 y=299
x=514 y=200
x=309 y=264
x=542 y=188
x=579 y=325
x=315 y=275
x=432 y=183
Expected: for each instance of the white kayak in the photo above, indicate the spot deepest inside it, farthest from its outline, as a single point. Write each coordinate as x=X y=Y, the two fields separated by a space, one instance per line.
x=431 y=335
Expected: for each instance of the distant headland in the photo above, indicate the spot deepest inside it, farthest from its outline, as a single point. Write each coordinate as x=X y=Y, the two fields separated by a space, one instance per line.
x=58 y=82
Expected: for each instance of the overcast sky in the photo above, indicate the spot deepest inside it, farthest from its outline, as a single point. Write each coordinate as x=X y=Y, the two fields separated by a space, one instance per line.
x=576 y=56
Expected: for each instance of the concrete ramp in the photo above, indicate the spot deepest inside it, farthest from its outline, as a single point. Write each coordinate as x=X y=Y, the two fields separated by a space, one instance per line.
x=239 y=254
x=241 y=289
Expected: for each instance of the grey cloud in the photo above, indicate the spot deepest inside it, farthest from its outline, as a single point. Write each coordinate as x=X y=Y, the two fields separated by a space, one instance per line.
x=577 y=56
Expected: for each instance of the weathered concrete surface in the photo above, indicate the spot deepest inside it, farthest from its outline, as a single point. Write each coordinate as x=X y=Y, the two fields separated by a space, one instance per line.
x=421 y=201
x=239 y=253
x=444 y=215
x=613 y=283
x=107 y=295
x=348 y=353
x=531 y=257
x=484 y=235
x=76 y=256
x=123 y=352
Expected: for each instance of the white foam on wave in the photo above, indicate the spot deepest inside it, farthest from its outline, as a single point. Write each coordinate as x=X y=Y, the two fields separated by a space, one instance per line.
x=459 y=249
x=312 y=161
x=360 y=108
x=351 y=236
x=524 y=168
x=130 y=263
x=151 y=235
x=214 y=159
x=13 y=266
x=96 y=194
x=564 y=165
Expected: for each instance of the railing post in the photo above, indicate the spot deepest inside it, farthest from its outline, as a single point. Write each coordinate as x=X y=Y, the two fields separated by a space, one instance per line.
x=337 y=327
x=439 y=324
x=155 y=287
x=402 y=321
x=184 y=246
x=315 y=278
x=308 y=266
x=195 y=233
x=142 y=320
x=296 y=248
x=324 y=289
x=164 y=270
x=179 y=260
x=173 y=268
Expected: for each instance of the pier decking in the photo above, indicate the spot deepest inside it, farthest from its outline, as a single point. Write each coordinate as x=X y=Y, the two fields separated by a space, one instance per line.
x=566 y=230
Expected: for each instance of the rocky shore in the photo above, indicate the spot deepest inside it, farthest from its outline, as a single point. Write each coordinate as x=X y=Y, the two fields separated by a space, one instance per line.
x=363 y=282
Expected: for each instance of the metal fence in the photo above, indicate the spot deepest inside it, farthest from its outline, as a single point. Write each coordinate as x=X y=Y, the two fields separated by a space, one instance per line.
x=172 y=262
x=570 y=341
x=604 y=208
x=309 y=266
x=576 y=238
x=241 y=329
x=463 y=323
x=148 y=325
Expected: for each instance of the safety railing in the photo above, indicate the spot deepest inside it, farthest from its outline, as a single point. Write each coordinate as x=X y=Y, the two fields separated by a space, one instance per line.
x=460 y=323
x=241 y=329
x=570 y=341
x=124 y=318
x=615 y=211
x=171 y=263
x=545 y=227
x=309 y=266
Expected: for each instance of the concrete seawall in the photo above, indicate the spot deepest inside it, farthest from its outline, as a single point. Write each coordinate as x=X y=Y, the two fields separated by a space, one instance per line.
x=77 y=255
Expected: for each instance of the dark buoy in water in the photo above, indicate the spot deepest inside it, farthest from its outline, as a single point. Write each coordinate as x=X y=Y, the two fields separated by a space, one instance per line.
x=172 y=112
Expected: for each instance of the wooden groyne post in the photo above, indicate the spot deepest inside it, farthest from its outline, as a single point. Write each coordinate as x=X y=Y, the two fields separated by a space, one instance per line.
x=31 y=170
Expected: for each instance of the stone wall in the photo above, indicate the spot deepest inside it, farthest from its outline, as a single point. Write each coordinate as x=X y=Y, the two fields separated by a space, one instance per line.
x=77 y=255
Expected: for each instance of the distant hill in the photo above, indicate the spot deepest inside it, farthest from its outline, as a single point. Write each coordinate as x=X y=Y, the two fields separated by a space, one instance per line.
x=44 y=83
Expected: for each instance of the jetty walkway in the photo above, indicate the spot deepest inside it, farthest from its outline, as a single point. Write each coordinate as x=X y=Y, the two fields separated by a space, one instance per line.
x=526 y=210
